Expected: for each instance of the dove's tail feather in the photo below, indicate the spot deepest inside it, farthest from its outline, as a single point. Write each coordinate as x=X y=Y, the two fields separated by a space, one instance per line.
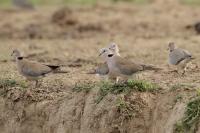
x=56 y=69
x=151 y=67
x=53 y=67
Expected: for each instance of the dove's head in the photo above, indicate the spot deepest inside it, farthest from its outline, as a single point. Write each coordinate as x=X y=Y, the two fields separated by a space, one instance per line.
x=171 y=46
x=114 y=48
x=16 y=53
x=106 y=53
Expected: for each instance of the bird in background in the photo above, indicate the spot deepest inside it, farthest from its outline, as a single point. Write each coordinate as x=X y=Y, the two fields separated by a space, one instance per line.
x=114 y=48
x=24 y=4
x=31 y=70
x=179 y=57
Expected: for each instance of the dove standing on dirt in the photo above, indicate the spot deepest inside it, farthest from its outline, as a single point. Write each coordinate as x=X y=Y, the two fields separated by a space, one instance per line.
x=120 y=67
x=25 y=4
x=179 y=57
x=33 y=71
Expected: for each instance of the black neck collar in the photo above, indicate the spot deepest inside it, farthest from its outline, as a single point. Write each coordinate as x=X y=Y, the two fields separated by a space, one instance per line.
x=110 y=55
x=20 y=58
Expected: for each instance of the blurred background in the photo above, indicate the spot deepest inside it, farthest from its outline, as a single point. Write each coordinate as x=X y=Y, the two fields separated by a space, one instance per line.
x=8 y=3
x=84 y=26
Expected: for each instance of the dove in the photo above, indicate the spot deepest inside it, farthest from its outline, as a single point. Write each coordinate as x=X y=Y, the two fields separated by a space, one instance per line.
x=179 y=57
x=31 y=70
x=23 y=4
x=120 y=67
x=114 y=48
x=102 y=69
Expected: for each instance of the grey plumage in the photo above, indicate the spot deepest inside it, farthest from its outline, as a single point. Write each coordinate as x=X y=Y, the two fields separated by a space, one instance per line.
x=120 y=67
x=102 y=69
x=114 y=48
x=33 y=71
x=127 y=67
x=179 y=57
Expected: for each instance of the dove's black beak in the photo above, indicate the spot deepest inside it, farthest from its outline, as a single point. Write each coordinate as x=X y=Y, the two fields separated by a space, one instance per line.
x=102 y=53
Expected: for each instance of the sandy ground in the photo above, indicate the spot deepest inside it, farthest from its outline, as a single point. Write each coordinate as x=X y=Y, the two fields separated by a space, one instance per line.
x=73 y=37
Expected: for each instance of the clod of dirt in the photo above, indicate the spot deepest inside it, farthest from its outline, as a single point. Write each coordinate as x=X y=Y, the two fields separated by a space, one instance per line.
x=33 y=31
x=90 y=27
x=64 y=17
x=196 y=27
x=8 y=31
x=79 y=62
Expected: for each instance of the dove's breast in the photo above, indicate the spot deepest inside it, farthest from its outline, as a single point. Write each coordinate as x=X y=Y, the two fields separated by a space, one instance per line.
x=175 y=57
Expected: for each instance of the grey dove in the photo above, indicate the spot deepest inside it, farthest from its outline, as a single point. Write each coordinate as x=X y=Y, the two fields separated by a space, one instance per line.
x=120 y=67
x=114 y=48
x=25 y=4
x=102 y=69
x=33 y=71
x=179 y=57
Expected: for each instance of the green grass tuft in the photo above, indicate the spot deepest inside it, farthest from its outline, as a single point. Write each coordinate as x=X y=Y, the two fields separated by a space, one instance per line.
x=6 y=83
x=192 y=113
x=137 y=85
x=190 y=121
x=142 y=86
x=106 y=87
x=86 y=87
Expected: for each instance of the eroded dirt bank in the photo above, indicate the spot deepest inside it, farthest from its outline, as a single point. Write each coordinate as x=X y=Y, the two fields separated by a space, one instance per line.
x=78 y=112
